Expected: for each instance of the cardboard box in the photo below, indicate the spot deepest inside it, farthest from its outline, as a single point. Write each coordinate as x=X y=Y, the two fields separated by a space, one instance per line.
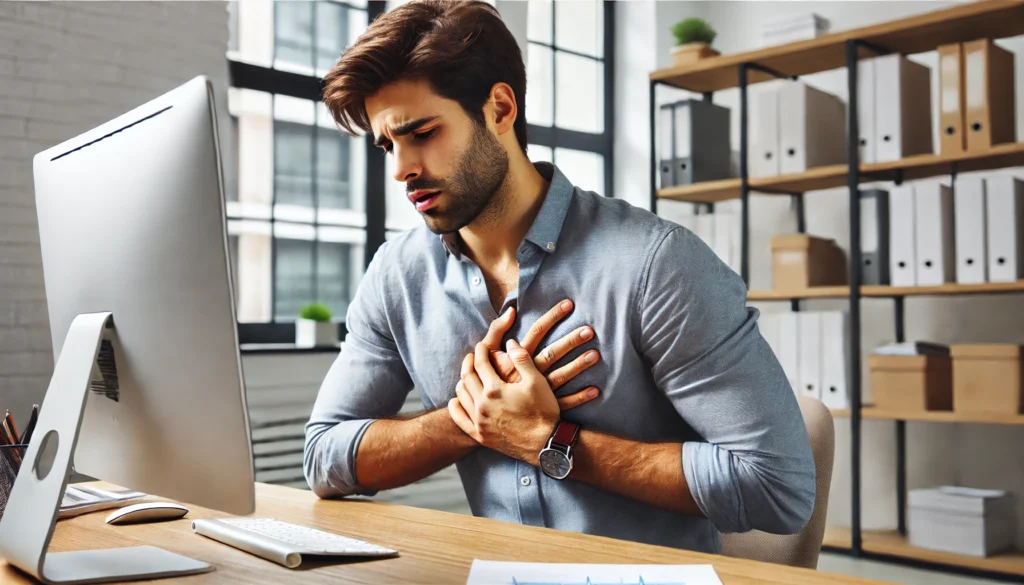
x=911 y=383
x=800 y=261
x=987 y=378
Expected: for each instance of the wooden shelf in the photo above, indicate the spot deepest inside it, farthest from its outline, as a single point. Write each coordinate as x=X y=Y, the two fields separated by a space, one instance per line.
x=878 y=291
x=915 y=167
x=891 y=543
x=916 y=34
x=820 y=292
x=869 y=412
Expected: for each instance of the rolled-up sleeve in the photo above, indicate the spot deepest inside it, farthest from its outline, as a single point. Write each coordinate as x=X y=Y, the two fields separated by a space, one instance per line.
x=754 y=468
x=367 y=381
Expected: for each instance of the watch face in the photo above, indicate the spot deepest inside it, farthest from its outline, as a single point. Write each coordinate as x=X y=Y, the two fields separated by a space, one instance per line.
x=555 y=463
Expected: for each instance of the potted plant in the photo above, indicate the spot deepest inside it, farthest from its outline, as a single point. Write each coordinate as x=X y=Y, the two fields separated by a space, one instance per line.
x=693 y=41
x=314 y=328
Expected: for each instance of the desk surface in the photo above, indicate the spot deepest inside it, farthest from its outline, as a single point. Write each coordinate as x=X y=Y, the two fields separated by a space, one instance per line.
x=434 y=547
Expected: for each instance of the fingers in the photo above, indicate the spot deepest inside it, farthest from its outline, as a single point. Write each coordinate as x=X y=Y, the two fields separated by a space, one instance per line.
x=523 y=362
x=498 y=328
x=470 y=380
x=548 y=356
x=577 y=399
x=464 y=398
x=564 y=374
x=459 y=416
x=484 y=369
x=541 y=327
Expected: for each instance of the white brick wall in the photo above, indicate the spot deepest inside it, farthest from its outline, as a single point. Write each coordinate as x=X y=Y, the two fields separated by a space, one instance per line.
x=65 y=67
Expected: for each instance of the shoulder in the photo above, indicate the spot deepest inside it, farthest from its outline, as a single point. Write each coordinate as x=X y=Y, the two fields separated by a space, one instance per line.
x=615 y=225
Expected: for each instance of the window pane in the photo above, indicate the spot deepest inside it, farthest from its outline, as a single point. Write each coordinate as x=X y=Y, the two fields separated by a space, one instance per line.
x=331 y=33
x=332 y=169
x=538 y=26
x=579 y=26
x=334 y=276
x=232 y=26
x=539 y=153
x=539 y=86
x=293 y=31
x=293 y=163
x=583 y=169
x=580 y=93
x=293 y=277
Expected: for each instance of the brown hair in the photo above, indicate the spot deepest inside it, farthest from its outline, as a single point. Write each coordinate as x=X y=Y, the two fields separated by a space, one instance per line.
x=461 y=48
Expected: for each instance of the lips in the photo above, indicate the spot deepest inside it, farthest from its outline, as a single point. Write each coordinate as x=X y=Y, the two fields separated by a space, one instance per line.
x=423 y=199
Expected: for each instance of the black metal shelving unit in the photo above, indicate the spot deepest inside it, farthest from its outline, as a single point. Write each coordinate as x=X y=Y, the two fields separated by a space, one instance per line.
x=855 y=49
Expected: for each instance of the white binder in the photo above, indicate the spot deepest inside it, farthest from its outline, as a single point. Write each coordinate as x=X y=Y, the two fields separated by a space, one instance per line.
x=1004 y=205
x=902 y=237
x=789 y=348
x=768 y=326
x=763 y=158
x=706 y=228
x=903 y=120
x=866 y=109
x=812 y=128
x=722 y=238
x=969 y=221
x=810 y=354
x=936 y=258
x=834 y=360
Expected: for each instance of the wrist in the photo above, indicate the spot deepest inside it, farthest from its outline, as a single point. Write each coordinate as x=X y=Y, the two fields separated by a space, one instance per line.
x=536 y=439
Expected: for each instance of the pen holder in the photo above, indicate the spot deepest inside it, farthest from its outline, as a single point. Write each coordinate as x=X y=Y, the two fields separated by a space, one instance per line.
x=8 y=473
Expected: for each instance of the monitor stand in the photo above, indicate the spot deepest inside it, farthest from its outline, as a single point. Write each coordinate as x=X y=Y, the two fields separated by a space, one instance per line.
x=31 y=513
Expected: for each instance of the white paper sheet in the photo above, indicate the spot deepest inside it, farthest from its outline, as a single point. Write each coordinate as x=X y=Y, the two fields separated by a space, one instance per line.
x=504 y=573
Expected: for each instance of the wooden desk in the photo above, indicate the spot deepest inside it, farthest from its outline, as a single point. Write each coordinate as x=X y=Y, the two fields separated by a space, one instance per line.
x=434 y=547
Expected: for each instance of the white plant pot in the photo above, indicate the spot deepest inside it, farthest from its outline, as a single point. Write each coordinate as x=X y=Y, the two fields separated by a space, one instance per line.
x=309 y=333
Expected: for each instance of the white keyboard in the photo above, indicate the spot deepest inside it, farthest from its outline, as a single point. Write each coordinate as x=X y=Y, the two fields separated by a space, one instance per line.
x=282 y=542
x=308 y=540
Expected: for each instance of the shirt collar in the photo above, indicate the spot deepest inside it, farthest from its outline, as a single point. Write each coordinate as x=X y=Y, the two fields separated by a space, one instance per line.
x=547 y=226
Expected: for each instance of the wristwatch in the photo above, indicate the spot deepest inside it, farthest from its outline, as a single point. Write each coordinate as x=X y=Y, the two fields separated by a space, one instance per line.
x=556 y=458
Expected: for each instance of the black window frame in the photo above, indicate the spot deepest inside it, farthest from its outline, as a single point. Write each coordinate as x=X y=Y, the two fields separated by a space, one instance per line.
x=553 y=137
x=245 y=75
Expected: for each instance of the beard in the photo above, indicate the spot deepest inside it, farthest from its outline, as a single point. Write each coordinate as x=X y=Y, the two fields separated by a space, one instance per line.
x=476 y=189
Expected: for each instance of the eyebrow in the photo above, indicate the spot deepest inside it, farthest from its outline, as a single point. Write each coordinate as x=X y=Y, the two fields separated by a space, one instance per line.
x=403 y=129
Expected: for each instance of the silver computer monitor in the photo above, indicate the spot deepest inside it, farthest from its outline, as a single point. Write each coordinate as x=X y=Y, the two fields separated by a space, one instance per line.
x=133 y=234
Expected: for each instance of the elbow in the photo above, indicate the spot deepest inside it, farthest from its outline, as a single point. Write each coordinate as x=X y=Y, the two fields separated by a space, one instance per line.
x=789 y=504
x=793 y=517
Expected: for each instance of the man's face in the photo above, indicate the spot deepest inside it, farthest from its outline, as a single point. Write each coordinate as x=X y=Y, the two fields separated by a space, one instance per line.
x=454 y=168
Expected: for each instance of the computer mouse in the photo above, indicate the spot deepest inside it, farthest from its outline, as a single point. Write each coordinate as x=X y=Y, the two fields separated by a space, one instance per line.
x=147 y=512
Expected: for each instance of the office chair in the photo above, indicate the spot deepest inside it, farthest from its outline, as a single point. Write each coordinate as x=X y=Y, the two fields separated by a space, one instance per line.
x=800 y=549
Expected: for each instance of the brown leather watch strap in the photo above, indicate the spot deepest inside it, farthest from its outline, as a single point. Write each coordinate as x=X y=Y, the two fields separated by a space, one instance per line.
x=565 y=433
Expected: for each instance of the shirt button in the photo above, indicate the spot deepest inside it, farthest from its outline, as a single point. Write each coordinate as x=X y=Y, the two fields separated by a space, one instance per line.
x=476 y=281
x=524 y=481
x=551 y=246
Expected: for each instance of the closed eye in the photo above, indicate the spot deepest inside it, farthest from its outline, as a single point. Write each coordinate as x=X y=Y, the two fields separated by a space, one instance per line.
x=424 y=136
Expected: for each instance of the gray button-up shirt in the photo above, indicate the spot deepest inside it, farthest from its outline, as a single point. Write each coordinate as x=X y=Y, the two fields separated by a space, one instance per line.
x=681 y=360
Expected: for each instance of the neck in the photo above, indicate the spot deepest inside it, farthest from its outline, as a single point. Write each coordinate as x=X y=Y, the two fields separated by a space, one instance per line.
x=493 y=238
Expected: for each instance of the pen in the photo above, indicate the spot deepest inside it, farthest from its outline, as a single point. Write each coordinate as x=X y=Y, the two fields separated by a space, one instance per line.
x=13 y=428
x=31 y=425
x=12 y=452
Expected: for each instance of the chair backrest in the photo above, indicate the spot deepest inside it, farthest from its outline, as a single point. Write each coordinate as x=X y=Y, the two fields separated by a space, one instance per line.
x=800 y=549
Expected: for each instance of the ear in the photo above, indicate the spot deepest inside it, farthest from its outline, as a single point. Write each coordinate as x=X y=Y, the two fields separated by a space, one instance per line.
x=504 y=107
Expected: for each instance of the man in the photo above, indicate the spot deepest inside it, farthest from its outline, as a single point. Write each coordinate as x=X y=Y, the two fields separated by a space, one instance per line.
x=695 y=429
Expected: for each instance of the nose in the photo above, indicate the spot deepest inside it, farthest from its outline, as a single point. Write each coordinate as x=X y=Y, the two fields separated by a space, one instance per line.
x=407 y=164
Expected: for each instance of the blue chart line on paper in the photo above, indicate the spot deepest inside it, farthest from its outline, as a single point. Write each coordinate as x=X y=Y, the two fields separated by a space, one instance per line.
x=485 y=572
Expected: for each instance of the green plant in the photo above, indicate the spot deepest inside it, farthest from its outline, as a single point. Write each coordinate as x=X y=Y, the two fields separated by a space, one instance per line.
x=316 y=312
x=693 y=30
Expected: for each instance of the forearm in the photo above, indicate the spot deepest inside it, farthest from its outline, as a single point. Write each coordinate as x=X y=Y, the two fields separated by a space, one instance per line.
x=648 y=472
x=394 y=453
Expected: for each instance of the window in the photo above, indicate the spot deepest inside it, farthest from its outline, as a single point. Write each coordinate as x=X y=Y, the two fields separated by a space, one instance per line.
x=298 y=223
x=569 y=89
